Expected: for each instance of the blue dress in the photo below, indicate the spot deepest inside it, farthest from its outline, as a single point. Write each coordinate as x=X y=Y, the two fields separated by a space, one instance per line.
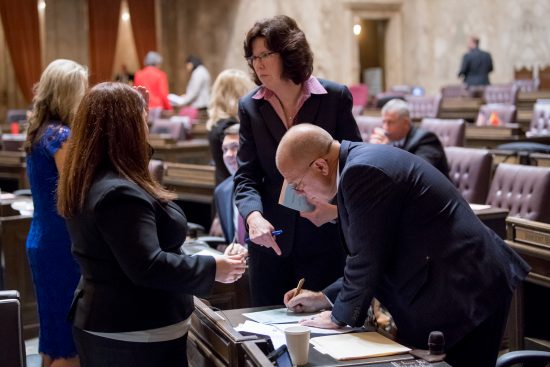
x=54 y=271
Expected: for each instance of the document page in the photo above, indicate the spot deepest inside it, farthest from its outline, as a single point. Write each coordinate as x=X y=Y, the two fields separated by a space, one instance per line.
x=357 y=345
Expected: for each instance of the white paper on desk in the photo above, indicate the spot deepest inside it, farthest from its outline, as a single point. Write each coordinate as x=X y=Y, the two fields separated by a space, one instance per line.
x=479 y=206
x=277 y=316
x=292 y=200
x=316 y=330
x=357 y=345
x=277 y=336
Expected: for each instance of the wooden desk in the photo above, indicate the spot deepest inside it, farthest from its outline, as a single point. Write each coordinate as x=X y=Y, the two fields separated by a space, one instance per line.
x=529 y=320
x=540 y=159
x=214 y=342
x=196 y=151
x=488 y=142
x=460 y=108
x=191 y=182
x=494 y=218
x=13 y=166
x=16 y=272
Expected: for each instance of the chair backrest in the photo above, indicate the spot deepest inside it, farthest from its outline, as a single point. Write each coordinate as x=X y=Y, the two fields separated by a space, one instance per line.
x=16 y=116
x=506 y=113
x=540 y=121
x=523 y=356
x=527 y=85
x=175 y=129
x=12 y=346
x=156 y=167
x=366 y=125
x=501 y=93
x=450 y=132
x=470 y=171
x=423 y=106
x=360 y=94
x=523 y=190
x=454 y=91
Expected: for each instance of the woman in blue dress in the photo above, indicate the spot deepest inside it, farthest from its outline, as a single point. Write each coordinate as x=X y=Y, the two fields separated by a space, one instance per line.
x=54 y=271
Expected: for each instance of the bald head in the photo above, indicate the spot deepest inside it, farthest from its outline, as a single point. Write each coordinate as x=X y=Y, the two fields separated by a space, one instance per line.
x=307 y=157
x=300 y=145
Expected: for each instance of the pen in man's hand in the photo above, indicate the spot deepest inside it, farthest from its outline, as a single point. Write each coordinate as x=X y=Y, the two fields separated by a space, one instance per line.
x=274 y=233
x=299 y=287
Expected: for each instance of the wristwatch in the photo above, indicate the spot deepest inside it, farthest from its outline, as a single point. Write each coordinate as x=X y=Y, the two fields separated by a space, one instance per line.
x=336 y=321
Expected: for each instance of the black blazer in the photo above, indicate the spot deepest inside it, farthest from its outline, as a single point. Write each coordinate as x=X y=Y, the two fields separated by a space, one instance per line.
x=476 y=66
x=223 y=197
x=414 y=243
x=427 y=145
x=258 y=182
x=128 y=247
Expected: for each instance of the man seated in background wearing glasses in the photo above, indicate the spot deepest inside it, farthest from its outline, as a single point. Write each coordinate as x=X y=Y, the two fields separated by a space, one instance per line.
x=398 y=130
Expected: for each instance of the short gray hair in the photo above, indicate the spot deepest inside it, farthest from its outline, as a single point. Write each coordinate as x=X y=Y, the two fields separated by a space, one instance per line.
x=397 y=105
x=152 y=59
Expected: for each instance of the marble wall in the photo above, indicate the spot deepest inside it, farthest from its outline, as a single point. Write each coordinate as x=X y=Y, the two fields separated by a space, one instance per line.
x=425 y=39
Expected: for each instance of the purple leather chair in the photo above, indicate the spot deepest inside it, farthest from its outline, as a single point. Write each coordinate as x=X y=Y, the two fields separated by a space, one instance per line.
x=423 y=106
x=366 y=125
x=523 y=190
x=506 y=113
x=156 y=168
x=540 y=121
x=175 y=129
x=450 y=132
x=470 y=171
x=501 y=93
x=454 y=91
x=527 y=85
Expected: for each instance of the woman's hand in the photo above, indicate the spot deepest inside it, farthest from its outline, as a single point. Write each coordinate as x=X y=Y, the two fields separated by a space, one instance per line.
x=230 y=268
x=259 y=230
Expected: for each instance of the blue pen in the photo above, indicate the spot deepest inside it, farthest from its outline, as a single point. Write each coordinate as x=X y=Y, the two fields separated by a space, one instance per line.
x=274 y=233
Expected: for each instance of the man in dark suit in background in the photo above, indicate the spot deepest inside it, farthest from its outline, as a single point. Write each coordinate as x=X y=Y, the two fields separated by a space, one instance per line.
x=412 y=242
x=398 y=131
x=223 y=193
x=476 y=64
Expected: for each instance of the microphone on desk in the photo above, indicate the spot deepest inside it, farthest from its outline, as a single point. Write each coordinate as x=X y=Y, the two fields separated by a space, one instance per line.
x=436 y=347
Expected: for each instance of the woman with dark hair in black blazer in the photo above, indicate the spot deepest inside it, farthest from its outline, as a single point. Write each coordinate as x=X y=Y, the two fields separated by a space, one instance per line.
x=282 y=63
x=133 y=304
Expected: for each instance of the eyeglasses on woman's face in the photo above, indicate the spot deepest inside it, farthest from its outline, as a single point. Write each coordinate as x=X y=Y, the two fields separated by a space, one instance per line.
x=261 y=57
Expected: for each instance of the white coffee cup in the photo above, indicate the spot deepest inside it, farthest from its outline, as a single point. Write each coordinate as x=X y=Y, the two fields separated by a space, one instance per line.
x=297 y=342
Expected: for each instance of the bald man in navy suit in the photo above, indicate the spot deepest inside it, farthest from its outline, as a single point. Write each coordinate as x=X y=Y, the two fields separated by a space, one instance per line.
x=412 y=242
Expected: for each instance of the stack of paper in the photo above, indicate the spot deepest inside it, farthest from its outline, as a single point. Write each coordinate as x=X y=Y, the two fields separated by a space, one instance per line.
x=357 y=345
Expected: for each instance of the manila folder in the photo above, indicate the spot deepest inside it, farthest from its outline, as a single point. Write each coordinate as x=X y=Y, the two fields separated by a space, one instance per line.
x=357 y=345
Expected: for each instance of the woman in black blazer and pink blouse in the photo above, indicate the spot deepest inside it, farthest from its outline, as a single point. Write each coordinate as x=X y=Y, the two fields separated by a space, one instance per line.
x=133 y=304
x=282 y=63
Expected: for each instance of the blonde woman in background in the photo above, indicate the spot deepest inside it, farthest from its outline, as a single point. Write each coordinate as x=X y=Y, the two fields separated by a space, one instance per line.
x=229 y=86
x=54 y=270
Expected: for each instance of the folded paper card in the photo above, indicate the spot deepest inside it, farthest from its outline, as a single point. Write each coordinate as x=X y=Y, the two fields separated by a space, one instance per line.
x=357 y=345
x=290 y=198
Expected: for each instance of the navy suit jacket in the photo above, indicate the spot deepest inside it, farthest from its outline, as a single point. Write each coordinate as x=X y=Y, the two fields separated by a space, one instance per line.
x=414 y=243
x=476 y=66
x=223 y=195
x=427 y=145
x=258 y=182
